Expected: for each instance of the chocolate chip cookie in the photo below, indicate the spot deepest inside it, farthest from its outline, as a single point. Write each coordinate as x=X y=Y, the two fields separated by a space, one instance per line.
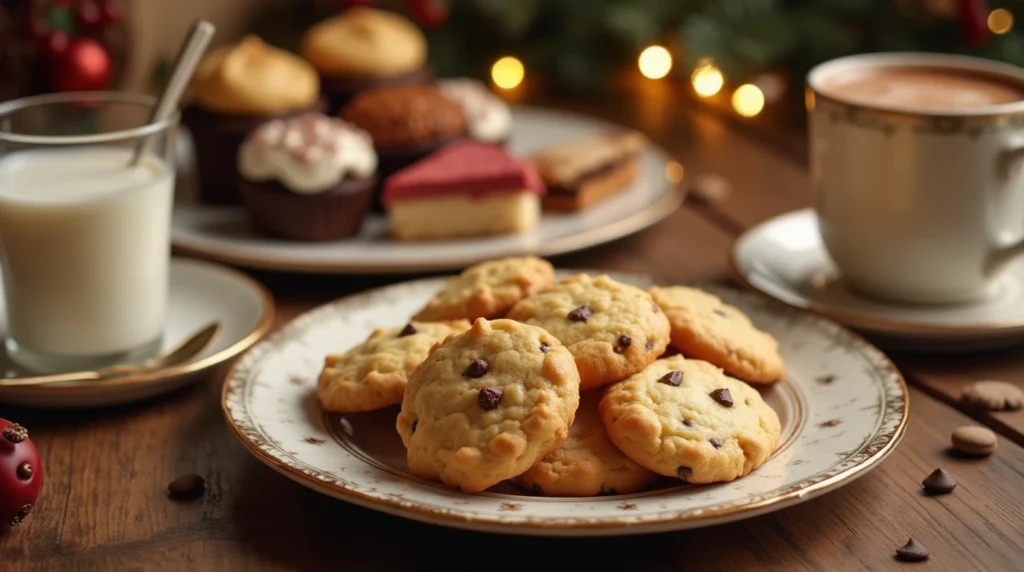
x=489 y=289
x=687 y=419
x=612 y=329
x=373 y=374
x=587 y=463
x=705 y=328
x=488 y=404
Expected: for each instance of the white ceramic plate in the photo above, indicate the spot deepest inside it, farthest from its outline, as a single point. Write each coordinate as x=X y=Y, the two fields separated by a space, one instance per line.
x=200 y=292
x=224 y=233
x=843 y=408
x=784 y=258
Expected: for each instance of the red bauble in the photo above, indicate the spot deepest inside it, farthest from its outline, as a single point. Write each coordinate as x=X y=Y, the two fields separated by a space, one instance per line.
x=429 y=13
x=21 y=474
x=88 y=16
x=55 y=44
x=84 y=66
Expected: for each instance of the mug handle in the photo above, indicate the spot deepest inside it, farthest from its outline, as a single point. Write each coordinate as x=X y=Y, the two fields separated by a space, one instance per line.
x=1009 y=161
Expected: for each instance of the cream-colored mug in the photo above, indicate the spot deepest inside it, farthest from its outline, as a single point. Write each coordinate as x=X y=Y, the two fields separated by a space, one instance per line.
x=916 y=169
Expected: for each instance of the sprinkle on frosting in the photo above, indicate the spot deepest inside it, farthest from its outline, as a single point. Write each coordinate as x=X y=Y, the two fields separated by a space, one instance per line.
x=308 y=154
x=489 y=117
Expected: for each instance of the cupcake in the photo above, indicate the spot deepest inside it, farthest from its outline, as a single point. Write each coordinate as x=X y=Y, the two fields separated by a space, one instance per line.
x=406 y=123
x=234 y=90
x=364 y=48
x=489 y=117
x=307 y=178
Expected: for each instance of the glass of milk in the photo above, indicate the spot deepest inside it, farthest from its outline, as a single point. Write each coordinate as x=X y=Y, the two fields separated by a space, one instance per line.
x=84 y=236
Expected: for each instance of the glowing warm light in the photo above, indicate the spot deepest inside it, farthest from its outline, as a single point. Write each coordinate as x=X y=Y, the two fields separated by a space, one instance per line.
x=674 y=172
x=748 y=100
x=1000 y=21
x=707 y=80
x=655 y=62
x=508 y=72
x=809 y=99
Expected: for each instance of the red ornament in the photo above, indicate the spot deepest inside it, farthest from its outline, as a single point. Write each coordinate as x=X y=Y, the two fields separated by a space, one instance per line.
x=111 y=12
x=55 y=44
x=429 y=13
x=974 y=21
x=84 y=66
x=21 y=474
x=88 y=16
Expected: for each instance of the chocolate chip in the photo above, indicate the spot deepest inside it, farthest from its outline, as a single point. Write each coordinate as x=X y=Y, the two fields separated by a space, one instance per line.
x=684 y=473
x=649 y=345
x=581 y=313
x=673 y=378
x=544 y=347
x=623 y=343
x=489 y=397
x=720 y=313
x=15 y=433
x=722 y=396
x=939 y=483
x=412 y=428
x=23 y=513
x=478 y=368
x=716 y=443
x=912 y=551
x=688 y=422
x=187 y=486
x=408 y=330
x=25 y=471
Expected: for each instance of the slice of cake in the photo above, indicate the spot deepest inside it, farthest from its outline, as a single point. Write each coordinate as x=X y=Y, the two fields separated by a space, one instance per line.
x=466 y=189
x=583 y=172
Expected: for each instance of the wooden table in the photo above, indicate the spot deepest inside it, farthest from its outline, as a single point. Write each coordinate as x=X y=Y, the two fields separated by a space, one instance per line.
x=104 y=505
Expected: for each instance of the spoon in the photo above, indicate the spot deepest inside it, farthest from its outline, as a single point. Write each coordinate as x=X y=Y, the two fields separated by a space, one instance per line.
x=175 y=355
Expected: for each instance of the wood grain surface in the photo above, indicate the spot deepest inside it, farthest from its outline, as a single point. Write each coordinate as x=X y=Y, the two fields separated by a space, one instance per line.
x=105 y=506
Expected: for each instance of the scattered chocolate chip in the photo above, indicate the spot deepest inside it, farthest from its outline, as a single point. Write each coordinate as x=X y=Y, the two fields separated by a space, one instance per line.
x=581 y=313
x=187 y=486
x=673 y=378
x=720 y=312
x=649 y=345
x=544 y=347
x=489 y=397
x=688 y=422
x=478 y=368
x=939 y=483
x=412 y=428
x=623 y=343
x=15 y=433
x=408 y=330
x=684 y=473
x=23 y=513
x=25 y=471
x=974 y=440
x=912 y=551
x=722 y=396
x=716 y=443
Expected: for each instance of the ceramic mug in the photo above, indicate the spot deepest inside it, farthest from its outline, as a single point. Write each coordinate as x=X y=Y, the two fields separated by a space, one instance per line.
x=917 y=203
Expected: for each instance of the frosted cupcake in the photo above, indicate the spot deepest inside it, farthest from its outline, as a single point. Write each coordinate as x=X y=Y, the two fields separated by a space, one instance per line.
x=364 y=48
x=235 y=89
x=488 y=116
x=307 y=178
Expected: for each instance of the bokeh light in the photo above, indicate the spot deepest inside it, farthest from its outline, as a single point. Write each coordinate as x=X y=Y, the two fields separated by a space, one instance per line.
x=1000 y=21
x=674 y=172
x=707 y=80
x=655 y=62
x=748 y=100
x=508 y=72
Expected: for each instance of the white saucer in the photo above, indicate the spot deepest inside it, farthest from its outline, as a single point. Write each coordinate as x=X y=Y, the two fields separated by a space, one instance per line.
x=225 y=234
x=200 y=292
x=784 y=258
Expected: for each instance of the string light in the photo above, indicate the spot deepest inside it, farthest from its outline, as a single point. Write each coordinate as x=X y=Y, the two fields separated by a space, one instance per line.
x=1000 y=21
x=655 y=62
x=748 y=100
x=707 y=79
x=508 y=72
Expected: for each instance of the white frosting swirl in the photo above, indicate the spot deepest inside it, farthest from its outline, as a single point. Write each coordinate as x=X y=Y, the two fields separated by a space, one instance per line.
x=308 y=154
x=490 y=118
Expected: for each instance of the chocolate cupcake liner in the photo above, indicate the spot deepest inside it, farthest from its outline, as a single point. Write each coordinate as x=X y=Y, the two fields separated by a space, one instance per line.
x=334 y=214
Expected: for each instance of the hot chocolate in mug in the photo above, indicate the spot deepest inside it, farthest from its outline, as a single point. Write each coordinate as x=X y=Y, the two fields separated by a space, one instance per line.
x=917 y=165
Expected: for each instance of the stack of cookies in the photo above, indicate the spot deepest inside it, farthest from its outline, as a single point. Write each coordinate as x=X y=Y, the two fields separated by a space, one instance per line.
x=583 y=387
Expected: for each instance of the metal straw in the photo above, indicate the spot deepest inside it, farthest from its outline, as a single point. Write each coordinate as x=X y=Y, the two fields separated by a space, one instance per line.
x=188 y=58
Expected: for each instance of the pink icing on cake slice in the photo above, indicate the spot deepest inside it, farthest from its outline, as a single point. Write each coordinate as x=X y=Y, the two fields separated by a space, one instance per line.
x=463 y=168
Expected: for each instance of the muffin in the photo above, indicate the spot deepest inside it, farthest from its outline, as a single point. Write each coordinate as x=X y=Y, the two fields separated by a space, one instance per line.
x=234 y=90
x=364 y=48
x=307 y=178
x=407 y=123
x=488 y=116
